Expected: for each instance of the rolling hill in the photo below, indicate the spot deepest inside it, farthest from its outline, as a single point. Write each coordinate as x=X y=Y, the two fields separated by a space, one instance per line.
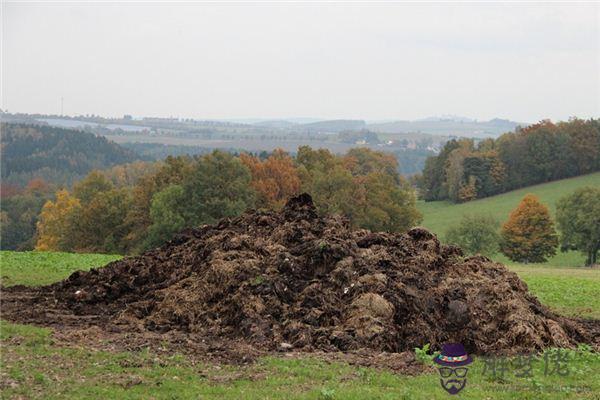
x=438 y=216
x=449 y=126
x=57 y=155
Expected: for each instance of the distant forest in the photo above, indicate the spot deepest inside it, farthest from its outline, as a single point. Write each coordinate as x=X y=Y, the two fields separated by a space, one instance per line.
x=540 y=153
x=410 y=161
x=57 y=155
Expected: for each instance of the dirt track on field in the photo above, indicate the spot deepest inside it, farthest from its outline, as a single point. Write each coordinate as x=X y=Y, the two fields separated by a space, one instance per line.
x=294 y=281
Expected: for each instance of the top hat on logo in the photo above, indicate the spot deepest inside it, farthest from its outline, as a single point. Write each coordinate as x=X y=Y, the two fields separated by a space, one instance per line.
x=453 y=355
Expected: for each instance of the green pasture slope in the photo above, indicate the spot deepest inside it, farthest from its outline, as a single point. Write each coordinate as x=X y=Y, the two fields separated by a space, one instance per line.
x=438 y=216
x=32 y=366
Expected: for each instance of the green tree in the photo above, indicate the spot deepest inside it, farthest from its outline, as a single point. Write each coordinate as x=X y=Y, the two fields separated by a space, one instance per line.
x=363 y=185
x=529 y=234
x=363 y=161
x=172 y=171
x=578 y=220
x=94 y=183
x=475 y=234
x=19 y=219
x=333 y=191
x=454 y=170
x=433 y=184
x=167 y=214
x=219 y=186
x=382 y=204
x=99 y=224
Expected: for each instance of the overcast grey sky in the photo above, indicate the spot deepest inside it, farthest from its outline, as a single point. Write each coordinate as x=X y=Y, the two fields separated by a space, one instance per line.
x=372 y=61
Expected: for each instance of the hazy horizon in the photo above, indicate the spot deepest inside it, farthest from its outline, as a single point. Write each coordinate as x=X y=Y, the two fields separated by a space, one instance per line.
x=522 y=62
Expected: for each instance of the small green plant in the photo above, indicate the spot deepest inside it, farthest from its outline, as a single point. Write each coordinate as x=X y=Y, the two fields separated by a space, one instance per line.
x=365 y=375
x=327 y=394
x=585 y=349
x=258 y=280
x=424 y=354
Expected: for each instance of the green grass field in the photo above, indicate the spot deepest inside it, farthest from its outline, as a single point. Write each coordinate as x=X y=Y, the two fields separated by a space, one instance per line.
x=438 y=216
x=42 y=268
x=33 y=366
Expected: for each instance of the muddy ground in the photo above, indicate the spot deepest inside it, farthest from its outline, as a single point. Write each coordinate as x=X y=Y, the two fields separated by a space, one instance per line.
x=296 y=282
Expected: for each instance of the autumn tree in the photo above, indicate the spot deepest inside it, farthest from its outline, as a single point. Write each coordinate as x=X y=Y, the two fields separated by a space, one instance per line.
x=53 y=230
x=9 y=190
x=584 y=142
x=467 y=191
x=578 y=220
x=37 y=186
x=529 y=234
x=90 y=220
x=475 y=234
x=274 y=179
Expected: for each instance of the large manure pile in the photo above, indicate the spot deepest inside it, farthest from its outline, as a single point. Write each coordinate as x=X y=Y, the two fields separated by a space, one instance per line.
x=294 y=279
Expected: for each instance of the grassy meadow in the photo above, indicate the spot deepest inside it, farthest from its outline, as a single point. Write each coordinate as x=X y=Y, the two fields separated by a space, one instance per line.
x=438 y=216
x=34 y=367
x=34 y=268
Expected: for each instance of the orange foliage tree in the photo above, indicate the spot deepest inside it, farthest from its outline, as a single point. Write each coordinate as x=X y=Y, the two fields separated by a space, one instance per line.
x=37 y=186
x=275 y=179
x=529 y=234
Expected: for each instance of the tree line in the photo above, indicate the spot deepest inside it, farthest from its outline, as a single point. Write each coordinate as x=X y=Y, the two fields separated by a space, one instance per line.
x=465 y=170
x=106 y=213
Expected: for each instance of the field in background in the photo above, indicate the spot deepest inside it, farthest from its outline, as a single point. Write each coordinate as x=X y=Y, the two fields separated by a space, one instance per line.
x=438 y=216
x=34 y=367
x=568 y=291
x=34 y=268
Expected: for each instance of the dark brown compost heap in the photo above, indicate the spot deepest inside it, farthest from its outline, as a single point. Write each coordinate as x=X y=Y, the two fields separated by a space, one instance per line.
x=313 y=282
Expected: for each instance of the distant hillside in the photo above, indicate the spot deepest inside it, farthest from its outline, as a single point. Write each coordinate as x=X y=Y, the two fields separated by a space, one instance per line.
x=449 y=127
x=56 y=155
x=335 y=126
x=275 y=123
x=465 y=170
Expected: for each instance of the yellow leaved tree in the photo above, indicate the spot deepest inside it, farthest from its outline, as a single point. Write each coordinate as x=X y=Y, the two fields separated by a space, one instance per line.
x=53 y=224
